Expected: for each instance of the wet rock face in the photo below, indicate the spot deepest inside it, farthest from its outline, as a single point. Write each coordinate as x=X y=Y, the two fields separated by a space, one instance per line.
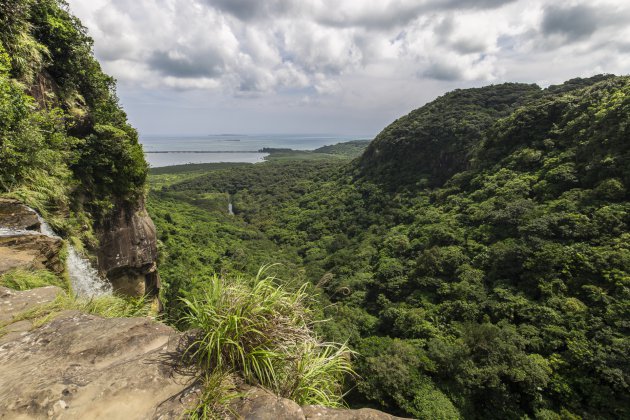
x=30 y=251
x=83 y=367
x=128 y=251
x=21 y=243
x=15 y=215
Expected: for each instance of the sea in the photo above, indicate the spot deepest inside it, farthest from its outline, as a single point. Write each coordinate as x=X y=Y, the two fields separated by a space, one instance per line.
x=179 y=150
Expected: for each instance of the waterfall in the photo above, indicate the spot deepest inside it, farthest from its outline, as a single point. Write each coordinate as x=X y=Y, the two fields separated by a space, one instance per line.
x=230 y=207
x=84 y=278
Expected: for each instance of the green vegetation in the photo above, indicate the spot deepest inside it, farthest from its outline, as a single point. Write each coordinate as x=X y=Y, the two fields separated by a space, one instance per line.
x=263 y=332
x=218 y=390
x=108 y=306
x=65 y=145
x=476 y=256
x=347 y=150
x=30 y=279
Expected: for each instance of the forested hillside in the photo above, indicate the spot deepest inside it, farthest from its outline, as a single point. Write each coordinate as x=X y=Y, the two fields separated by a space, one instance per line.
x=476 y=256
x=65 y=145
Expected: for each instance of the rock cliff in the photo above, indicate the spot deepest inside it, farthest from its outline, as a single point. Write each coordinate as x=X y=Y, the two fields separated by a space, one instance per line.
x=128 y=251
x=85 y=367
x=81 y=366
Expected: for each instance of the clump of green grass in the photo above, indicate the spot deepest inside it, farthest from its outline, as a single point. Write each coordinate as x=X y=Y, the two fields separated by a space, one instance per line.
x=20 y=279
x=263 y=332
x=108 y=306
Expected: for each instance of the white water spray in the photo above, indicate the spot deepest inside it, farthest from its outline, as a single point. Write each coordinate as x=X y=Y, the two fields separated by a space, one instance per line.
x=84 y=278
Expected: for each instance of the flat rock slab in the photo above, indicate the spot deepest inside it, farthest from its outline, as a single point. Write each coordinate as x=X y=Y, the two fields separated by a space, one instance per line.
x=13 y=302
x=15 y=215
x=85 y=367
x=81 y=366
x=30 y=251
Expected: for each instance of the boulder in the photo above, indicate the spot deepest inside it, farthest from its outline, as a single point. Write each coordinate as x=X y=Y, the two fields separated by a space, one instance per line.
x=259 y=404
x=82 y=366
x=30 y=251
x=15 y=215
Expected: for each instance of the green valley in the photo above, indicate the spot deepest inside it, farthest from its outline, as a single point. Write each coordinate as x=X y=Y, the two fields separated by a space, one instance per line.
x=475 y=256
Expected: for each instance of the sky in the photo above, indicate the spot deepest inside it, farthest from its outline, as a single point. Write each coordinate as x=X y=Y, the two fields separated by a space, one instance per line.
x=347 y=67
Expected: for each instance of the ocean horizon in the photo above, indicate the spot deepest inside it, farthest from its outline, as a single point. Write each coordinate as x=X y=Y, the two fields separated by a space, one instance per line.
x=169 y=150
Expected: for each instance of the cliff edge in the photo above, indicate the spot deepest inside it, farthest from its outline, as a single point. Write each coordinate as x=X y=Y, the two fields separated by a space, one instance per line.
x=81 y=366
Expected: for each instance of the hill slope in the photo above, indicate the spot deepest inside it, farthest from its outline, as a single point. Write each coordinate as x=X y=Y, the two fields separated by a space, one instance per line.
x=434 y=142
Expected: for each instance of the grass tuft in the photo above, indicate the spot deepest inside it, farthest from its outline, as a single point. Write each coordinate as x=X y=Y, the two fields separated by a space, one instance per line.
x=20 y=279
x=218 y=390
x=263 y=332
x=109 y=306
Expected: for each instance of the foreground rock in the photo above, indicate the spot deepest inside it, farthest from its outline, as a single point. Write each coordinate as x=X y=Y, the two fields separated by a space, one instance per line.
x=22 y=245
x=82 y=366
x=14 y=303
x=85 y=367
x=258 y=404
x=15 y=215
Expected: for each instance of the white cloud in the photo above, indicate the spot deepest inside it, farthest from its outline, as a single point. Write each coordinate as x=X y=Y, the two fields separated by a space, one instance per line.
x=343 y=53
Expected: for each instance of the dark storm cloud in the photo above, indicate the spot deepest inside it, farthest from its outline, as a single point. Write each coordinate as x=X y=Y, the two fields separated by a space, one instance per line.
x=248 y=10
x=580 y=21
x=573 y=21
x=400 y=13
x=442 y=71
x=181 y=65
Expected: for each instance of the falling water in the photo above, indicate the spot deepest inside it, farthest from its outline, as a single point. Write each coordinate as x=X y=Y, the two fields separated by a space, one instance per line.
x=230 y=206
x=14 y=232
x=84 y=278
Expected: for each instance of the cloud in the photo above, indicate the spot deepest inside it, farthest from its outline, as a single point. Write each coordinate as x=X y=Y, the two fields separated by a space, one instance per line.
x=470 y=4
x=348 y=54
x=578 y=21
x=177 y=64
x=248 y=10
x=573 y=21
x=443 y=71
